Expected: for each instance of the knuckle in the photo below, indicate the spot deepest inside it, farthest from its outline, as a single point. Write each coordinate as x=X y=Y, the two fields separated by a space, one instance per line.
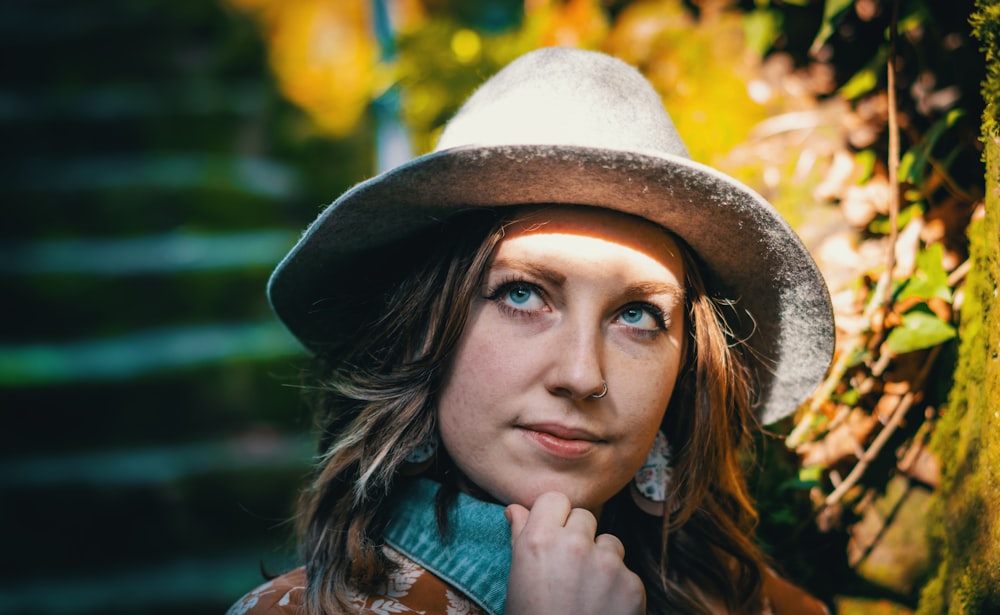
x=609 y=564
x=535 y=540
x=633 y=583
x=577 y=545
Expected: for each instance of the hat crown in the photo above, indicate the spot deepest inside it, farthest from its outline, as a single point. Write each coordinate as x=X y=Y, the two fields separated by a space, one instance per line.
x=566 y=97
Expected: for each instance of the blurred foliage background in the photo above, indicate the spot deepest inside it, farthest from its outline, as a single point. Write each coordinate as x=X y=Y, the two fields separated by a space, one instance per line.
x=162 y=156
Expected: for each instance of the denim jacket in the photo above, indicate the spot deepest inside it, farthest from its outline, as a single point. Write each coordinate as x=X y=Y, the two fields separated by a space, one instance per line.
x=473 y=555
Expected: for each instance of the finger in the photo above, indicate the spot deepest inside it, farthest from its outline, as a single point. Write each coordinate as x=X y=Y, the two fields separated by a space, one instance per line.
x=611 y=544
x=550 y=509
x=517 y=516
x=583 y=521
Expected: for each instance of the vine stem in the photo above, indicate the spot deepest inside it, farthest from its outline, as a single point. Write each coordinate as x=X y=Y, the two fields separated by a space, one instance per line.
x=890 y=257
x=898 y=413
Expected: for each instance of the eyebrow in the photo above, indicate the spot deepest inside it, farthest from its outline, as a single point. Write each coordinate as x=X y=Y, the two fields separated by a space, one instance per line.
x=641 y=289
x=531 y=268
x=654 y=288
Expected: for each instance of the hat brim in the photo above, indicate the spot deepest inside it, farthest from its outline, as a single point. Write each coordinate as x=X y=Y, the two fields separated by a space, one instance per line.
x=753 y=257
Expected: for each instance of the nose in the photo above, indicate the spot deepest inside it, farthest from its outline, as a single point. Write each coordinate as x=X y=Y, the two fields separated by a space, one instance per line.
x=577 y=367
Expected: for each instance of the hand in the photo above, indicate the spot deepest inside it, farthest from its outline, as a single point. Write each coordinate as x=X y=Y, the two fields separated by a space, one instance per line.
x=559 y=567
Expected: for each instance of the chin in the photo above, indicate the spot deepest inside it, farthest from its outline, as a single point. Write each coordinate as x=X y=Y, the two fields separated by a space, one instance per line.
x=578 y=499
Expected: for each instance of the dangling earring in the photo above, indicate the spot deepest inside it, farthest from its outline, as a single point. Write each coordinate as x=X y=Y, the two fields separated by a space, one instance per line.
x=420 y=458
x=649 y=487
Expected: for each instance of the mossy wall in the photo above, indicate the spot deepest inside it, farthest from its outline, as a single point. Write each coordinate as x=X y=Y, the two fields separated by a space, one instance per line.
x=965 y=519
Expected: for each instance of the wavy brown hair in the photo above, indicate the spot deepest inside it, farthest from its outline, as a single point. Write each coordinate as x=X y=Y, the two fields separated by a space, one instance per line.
x=376 y=402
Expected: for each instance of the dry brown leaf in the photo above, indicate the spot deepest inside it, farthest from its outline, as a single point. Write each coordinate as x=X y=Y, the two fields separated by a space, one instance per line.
x=842 y=168
x=920 y=464
x=892 y=319
x=906 y=368
x=842 y=443
x=858 y=210
x=898 y=388
x=940 y=307
x=886 y=406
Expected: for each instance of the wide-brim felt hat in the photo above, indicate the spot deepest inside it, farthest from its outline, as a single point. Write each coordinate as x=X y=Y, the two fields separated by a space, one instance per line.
x=567 y=126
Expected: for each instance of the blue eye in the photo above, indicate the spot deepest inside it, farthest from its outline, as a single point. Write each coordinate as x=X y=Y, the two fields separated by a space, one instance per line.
x=632 y=315
x=641 y=317
x=518 y=298
x=519 y=295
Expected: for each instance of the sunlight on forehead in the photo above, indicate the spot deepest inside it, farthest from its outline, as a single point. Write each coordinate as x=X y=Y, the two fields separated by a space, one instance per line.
x=595 y=239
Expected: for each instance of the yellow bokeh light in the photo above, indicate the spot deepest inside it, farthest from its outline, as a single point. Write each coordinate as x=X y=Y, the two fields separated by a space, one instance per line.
x=324 y=55
x=465 y=44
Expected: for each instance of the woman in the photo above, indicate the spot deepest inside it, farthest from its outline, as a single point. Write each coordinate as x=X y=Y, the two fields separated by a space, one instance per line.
x=542 y=347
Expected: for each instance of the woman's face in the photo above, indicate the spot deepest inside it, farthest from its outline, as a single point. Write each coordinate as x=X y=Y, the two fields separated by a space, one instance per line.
x=574 y=297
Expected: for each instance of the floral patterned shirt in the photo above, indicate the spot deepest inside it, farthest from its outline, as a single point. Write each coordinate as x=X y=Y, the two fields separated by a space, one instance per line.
x=409 y=589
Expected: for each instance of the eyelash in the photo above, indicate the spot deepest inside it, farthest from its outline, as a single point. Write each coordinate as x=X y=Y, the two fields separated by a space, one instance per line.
x=497 y=294
x=652 y=310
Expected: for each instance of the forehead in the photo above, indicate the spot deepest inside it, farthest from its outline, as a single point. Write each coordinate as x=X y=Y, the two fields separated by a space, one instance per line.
x=591 y=233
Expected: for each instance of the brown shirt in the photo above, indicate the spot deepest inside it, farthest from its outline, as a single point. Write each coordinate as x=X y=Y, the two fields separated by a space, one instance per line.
x=410 y=589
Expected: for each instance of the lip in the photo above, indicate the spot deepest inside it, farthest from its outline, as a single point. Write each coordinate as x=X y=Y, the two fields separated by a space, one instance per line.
x=561 y=440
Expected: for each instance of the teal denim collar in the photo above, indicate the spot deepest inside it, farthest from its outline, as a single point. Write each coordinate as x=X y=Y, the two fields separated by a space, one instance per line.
x=473 y=555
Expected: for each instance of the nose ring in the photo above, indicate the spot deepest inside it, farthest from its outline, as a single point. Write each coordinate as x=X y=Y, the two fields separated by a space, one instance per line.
x=603 y=392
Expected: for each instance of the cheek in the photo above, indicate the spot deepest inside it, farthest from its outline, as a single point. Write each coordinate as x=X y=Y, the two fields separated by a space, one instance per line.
x=666 y=385
x=455 y=400
x=470 y=384
x=489 y=362
x=456 y=413
x=651 y=387
x=468 y=373
x=657 y=378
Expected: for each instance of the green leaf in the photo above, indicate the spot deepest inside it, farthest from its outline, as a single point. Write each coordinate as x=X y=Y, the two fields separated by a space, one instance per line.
x=834 y=12
x=920 y=329
x=863 y=81
x=915 y=15
x=784 y=516
x=762 y=27
x=810 y=475
x=866 y=79
x=849 y=397
x=881 y=226
x=914 y=161
x=865 y=159
x=930 y=279
x=858 y=356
